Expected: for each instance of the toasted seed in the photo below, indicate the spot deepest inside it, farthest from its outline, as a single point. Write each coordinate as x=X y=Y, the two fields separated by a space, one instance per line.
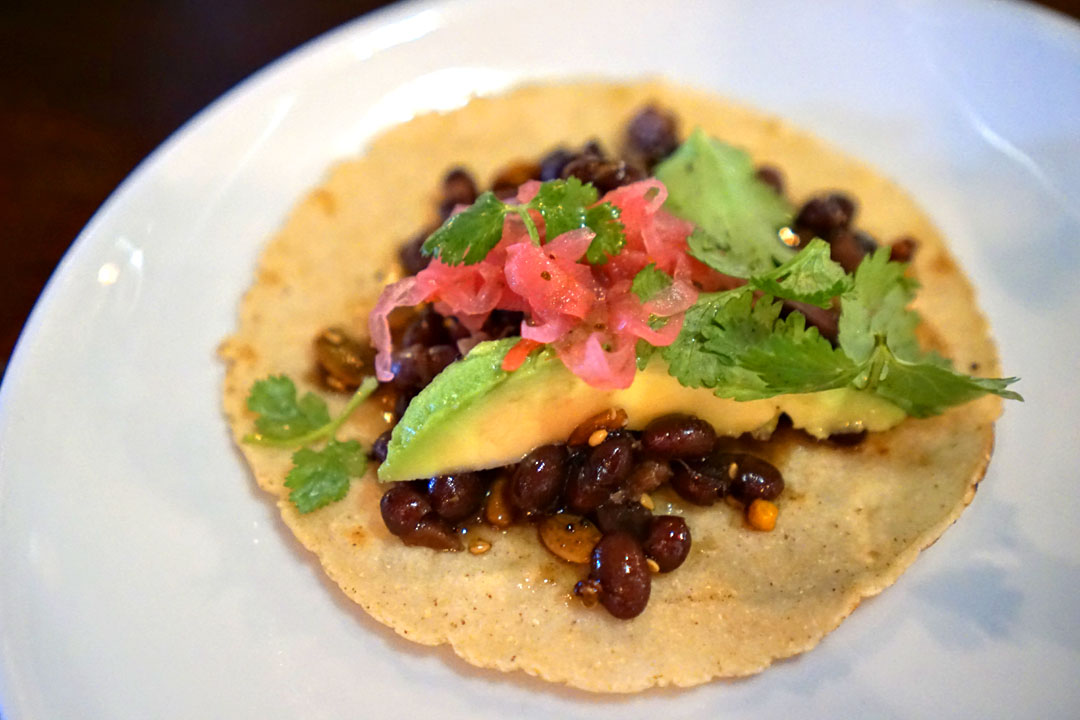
x=610 y=419
x=344 y=360
x=570 y=537
x=479 y=547
x=597 y=437
x=498 y=511
x=653 y=567
x=647 y=501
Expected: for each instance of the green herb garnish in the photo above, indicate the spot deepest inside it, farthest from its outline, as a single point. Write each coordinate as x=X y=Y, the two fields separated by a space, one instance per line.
x=650 y=281
x=810 y=277
x=318 y=477
x=287 y=422
x=563 y=204
x=739 y=346
x=713 y=185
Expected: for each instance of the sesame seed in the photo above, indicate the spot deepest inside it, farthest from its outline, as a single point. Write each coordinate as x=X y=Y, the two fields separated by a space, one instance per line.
x=479 y=547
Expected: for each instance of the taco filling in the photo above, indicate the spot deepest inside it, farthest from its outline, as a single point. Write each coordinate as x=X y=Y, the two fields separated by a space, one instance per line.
x=599 y=343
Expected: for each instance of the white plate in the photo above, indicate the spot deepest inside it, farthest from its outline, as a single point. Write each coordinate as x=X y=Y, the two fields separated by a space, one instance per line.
x=142 y=575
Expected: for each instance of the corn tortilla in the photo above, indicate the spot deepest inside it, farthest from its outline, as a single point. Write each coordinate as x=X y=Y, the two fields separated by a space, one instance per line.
x=851 y=519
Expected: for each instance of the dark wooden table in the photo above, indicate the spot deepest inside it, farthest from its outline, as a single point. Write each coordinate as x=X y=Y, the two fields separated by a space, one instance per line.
x=89 y=89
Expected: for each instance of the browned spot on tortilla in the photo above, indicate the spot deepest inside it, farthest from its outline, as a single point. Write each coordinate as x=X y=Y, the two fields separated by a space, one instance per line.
x=325 y=200
x=358 y=536
x=943 y=264
x=269 y=276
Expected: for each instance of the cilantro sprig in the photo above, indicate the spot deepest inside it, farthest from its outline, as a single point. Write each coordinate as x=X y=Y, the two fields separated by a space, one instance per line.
x=649 y=282
x=737 y=344
x=318 y=477
x=321 y=477
x=564 y=205
x=713 y=185
x=285 y=421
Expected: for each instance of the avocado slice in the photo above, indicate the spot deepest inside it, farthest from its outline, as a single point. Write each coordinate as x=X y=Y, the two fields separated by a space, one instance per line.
x=475 y=415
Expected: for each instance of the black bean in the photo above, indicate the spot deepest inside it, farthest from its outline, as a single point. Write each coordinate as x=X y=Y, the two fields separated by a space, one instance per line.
x=846 y=249
x=538 y=481
x=439 y=357
x=606 y=175
x=552 y=164
x=903 y=250
x=668 y=542
x=428 y=328
x=866 y=241
x=412 y=260
x=345 y=360
x=378 y=448
x=823 y=215
x=458 y=188
x=701 y=483
x=678 y=436
x=415 y=366
x=410 y=367
x=503 y=324
x=402 y=508
x=612 y=460
x=629 y=517
x=652 y=135
x=594 y=149
x=752 y=478
x=826 y=321
x=648 y=475
x=618 y=564
x=456 y=497
x=408 y=514
x=604 y=469
x=435 y=533
x=772 y=177
x=401 y=402
x=580 y=494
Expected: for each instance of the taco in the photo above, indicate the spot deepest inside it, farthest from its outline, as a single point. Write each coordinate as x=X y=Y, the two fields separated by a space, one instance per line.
x=854 y=512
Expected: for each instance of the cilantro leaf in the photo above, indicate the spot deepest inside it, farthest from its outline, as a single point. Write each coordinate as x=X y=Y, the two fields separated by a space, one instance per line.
x=687 y=359
x=562 y=204
x=796 y=359
x=716 y=332
x=649 y=281
x=922 y=389
x=742 y=349
x=281 y=415
x=644 y=352
x=603 y=219
x=877 y=333
x=471 y=234
x=569 y=205
x=714 y=186
x=810 y=277
x=320 y=477
x=877 y=305
x=284 y=422
x=718 y=254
